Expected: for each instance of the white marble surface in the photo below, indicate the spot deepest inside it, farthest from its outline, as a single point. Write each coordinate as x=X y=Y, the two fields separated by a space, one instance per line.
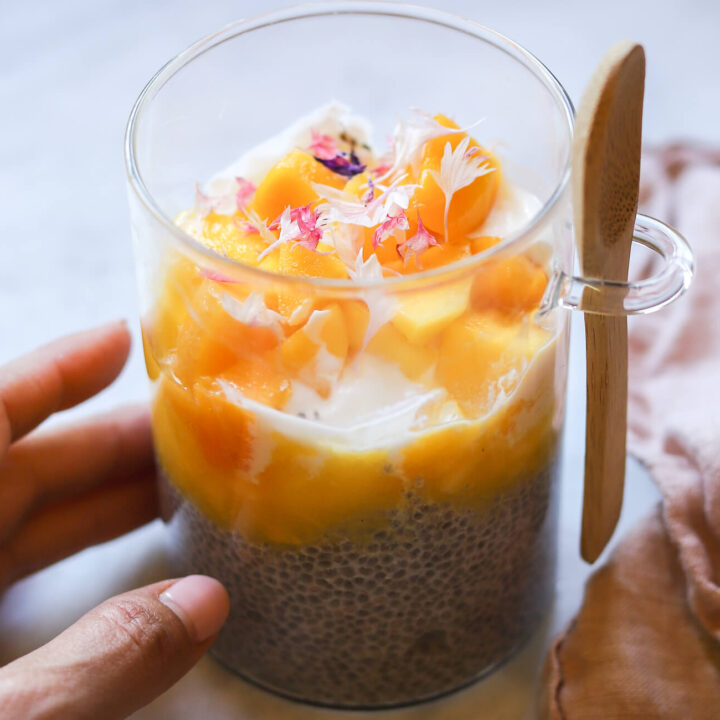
x=69 y=73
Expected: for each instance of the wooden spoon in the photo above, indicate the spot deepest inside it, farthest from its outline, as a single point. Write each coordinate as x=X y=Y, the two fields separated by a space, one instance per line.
x=606 y=176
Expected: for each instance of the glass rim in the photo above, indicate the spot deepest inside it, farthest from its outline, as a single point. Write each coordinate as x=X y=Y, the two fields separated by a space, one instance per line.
x=345 y=7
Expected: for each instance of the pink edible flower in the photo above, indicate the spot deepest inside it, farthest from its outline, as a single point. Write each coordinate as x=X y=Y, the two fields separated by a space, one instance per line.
x=309 y=231
x=370 y=194
x=381 y=169
x=225 y=196
x=323 y=146
x=344 y=207
x=421 y=241
x=302 y=225
x=216 y=276
x=388 y=226
x=246 y=226
x=246 y=190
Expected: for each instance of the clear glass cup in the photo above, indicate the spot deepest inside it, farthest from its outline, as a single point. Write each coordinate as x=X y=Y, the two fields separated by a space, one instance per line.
x=400 y=553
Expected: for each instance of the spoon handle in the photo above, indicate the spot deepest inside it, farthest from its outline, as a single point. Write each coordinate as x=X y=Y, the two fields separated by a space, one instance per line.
x=606 y=430
x=606 y=172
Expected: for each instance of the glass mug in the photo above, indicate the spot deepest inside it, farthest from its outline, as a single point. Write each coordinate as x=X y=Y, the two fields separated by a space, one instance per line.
x=396 y=553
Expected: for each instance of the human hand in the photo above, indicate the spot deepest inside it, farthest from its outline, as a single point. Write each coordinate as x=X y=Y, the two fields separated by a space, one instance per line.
x=63 y=490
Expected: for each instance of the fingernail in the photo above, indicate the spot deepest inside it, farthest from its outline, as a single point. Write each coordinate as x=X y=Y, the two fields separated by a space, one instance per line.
x=201 y=603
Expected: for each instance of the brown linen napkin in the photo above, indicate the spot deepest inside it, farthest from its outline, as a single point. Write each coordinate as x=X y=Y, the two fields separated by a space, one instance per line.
x=646 y=642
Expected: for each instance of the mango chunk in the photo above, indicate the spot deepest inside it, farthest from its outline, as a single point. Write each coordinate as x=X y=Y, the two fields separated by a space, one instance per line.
x=325 y=328
x=258 y=378
x=483 y=353
x=334 y=331
x=214 y=311
x=357 y=318
x=199 y=355
x=288 y=184
x=482 y=242
x=222 y=235
x=294 y=259
x=470 y=205
x=423 y=315
x=151 y=365
x=200 y=421
x=513 y=285
x=358 y=184
x=298 y=351
x=212 y=339
x=433 y=257
x=392 y=346
x=171 y=310
x=296 y=303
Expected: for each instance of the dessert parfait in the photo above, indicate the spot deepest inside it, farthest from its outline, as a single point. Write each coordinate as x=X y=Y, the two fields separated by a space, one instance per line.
x=359 y=444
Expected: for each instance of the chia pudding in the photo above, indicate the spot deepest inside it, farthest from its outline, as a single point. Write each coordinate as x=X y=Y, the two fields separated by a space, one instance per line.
x=427 y=605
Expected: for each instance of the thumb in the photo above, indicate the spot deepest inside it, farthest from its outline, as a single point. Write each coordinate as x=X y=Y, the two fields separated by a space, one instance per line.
x=119 y=656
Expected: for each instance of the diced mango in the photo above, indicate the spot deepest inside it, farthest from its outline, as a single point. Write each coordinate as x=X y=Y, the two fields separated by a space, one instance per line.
x=357 y=184
x=199 y=355
x=422 y=315
x=211 y=340
x=392 y=346
x=435 y=256
x=482 y=352
x=213 y=310
x=325 y=328
x=171 y=310
x=386 y=251
x=151 y=365
x=296 y=303
x=222 y=235
x=294 y=259
x=470 y=205
x=357 y=317
x=483 y=242
x=334 y=332
x=298 y=351
x=288 y=184
x=515 y=284
x=270 y=263
x=204 y=443
x=257 y=377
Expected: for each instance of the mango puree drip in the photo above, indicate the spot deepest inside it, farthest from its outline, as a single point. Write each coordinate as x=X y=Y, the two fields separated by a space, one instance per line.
x=223 y=376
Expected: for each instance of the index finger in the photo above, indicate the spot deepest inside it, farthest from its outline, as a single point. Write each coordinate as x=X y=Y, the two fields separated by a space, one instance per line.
x=58 y=376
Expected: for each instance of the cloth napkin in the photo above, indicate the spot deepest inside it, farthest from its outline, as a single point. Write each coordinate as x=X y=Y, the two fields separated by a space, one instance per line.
x=646 y=641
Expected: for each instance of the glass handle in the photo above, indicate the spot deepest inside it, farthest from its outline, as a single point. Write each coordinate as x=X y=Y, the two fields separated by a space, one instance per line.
x=606 y=297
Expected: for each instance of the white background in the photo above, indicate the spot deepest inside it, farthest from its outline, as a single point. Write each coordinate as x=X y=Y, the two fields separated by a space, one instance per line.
x=69 y=73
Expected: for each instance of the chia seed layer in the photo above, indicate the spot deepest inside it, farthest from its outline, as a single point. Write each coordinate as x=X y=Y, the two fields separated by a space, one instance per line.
x=424 y=606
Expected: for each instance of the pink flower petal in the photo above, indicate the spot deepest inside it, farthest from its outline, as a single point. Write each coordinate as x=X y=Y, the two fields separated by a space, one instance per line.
x=245 y=192
x=393 y=222
x=245 y=226
x=301 y=224
x=216 y=276
x=421 y=241
x=370 y=194
x=323 y=146
x=381 y=169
